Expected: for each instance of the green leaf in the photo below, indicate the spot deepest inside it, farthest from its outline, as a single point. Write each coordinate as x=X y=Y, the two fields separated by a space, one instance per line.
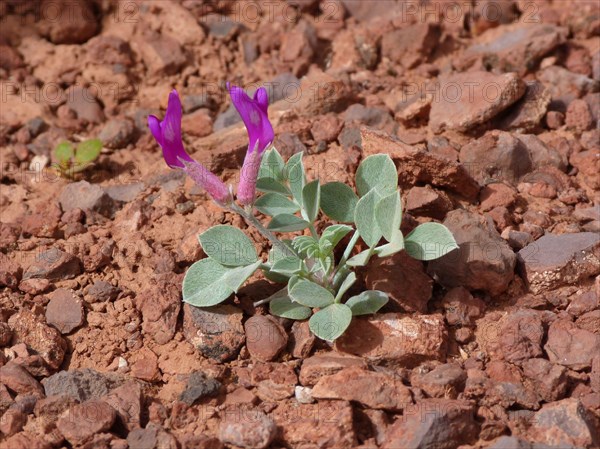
x=332 y=235
x=377 y=171
x=330 y=322
x=88 y=151
x=203 y=284
x=235 y=277
x=429 y=241
x=228 y=246
x=388 y=212
x=306 y=246
x=361 y=259
x=294 y=173
x=364 y=217
x=287 y=266
x=292 y=282
x=281 y=305
x=348 y=282
x=272 y=165
x=311 y=199
x=208 y=283
x=274 y=204
x=310 y=294
x=396 y=245
x=287 y=223
x=271 y=185
x=338 y=201
x=367 y=302
x=63 y=153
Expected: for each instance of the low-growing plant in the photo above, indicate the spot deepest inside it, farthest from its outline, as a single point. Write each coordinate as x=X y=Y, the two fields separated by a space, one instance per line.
x=72 y=159
x=317 y=284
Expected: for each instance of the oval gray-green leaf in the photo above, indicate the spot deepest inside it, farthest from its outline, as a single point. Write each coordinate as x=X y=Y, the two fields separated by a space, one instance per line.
x=274 y=204
x=228 y=246
x=361 y=259
x=338 y=201
x=272 y=185
x=203 y=284
x=294 y=173
x=364 y=217
x=389 y=214
x=311 y=199
x=396 y=245
x=346 y=284
x=429 y=241
x=377 y=172
x=272 y=165
x=310 y=294
x=281 y=305
x=64 y=152
x=287 y=223
x=331 y=322
x=367 y=302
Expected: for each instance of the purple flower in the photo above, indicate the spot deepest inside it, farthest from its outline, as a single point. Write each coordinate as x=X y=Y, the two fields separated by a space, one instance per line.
x=168 y=135
x=260 y=134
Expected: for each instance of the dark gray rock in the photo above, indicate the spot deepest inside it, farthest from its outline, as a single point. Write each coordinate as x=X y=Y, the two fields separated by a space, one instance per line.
x=199 y=386
x=81 y=385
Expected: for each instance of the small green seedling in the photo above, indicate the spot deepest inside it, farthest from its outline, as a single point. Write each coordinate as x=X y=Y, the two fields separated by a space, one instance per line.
x=72 y=160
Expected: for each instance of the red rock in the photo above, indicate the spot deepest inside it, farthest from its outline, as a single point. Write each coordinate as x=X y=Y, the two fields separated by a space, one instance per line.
x=327 y=425
x=514 y=337
x=326 y=129
x=159 y=305
x=40 y=225
x=443 y=381
x=550 y=380
x=403 y=279
x=302 y=340
x=579 y=116
x=81 y=422
x=590 y=321
x=83 y=105
x=240 y=396
x=216 y=332
x=161 y=54
x=265 y=337
x=411 y=45
x=461 y=307
x=144 y=365
x=85 y=196
x=198 y=123
x=497 y=194
x=25 y=440
x=555 y=119
x=556 y=260
x=274 y=381
x=394 y=339
x=297 y=46
x=44 y=340
x=498 y=156
x=526 y=114
x=483 y=261
x=127 y=402
x=465 y=100
x=583 y=303
x=9 y=234
x=5 y=334
x=564 y=423
x=356 y=384
x=18 y=379
x=68 y=22
x=570 y=346
x=327 y=364
x=417 y=166
x=565 y=86
x=53 y=264
x=515 y=47
x=588 y=164
x=64 y=311
x=10 y=272
x=427 y=202
x=440 y=423
x=12 y=421
x=257 y=430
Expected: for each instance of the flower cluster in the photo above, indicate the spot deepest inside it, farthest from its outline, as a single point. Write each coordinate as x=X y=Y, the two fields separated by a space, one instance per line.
x=260 y=132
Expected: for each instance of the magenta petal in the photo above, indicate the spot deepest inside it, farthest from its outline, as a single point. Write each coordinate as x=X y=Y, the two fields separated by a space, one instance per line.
x=154 y=125
x=254 y=114
x=262 y=98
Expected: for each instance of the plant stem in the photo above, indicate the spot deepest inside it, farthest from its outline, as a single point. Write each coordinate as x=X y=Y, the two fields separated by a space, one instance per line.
x=313 y=231
x=348 y=250
x=252 y=220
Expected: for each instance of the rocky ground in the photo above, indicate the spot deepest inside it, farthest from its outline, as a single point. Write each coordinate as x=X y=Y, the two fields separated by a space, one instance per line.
x=490 y=110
